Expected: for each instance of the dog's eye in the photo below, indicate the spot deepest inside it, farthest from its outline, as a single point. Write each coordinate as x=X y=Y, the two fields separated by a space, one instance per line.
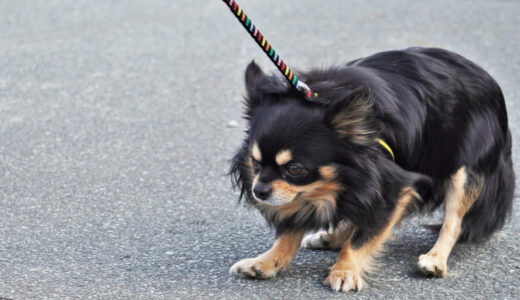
x=295 y=169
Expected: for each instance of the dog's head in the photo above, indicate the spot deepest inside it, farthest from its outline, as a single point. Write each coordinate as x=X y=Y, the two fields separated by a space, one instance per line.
x=290 y=154
x=300 y=155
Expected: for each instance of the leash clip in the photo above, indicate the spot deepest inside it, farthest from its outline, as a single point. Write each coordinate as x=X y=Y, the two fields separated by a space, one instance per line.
x=305 y=89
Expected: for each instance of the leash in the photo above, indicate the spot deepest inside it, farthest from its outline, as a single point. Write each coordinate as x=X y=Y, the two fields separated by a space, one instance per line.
x=277 y=60
x=269 y=51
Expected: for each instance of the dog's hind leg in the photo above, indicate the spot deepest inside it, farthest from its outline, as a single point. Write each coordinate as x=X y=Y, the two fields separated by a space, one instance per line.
x=333 y=238
x=277 y=258
x=463 y=190
x=353 y=262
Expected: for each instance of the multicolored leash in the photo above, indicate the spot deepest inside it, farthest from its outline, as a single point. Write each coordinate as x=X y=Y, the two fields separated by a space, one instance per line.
x=269 y=51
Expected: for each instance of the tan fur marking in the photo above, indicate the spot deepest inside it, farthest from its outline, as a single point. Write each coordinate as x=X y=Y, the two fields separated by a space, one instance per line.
x=290 y=208
x=255 y=152
x=297 y=201
x=285 y=186
x=458 y=201
x=325 y=191
x=327 y=172
x=271 y=262
x=319 y=190
x=352 y=263
x=352 y=121
x=293 y=207
x=471 y=194
x=283 y=157
x=338 y=236
x=367 y=252
x=249 y=164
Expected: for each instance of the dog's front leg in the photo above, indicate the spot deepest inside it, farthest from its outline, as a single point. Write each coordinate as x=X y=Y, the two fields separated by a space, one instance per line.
x=277 y=258
x=347 y=274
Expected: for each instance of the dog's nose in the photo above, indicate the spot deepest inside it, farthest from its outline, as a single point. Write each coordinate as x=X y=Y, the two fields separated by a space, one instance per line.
x=262 y=191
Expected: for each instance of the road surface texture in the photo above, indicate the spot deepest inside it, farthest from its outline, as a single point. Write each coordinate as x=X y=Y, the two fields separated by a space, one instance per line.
x=118 y=120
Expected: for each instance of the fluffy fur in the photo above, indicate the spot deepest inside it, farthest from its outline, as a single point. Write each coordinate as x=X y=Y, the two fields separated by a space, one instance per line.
x=438 y=112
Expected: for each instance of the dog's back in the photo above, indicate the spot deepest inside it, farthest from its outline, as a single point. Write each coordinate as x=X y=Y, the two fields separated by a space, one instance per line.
x=440 y=112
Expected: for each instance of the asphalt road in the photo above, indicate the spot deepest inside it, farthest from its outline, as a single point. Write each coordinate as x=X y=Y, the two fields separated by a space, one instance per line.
x=115 y=136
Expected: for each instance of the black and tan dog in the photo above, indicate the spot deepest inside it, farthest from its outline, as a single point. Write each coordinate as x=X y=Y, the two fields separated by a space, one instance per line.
x=393 y=133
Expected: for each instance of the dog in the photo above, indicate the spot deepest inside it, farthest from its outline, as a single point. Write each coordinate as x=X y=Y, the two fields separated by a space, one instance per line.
x=388 y=135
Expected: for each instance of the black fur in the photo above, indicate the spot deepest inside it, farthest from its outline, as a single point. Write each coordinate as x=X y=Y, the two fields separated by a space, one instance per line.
x=437 y=110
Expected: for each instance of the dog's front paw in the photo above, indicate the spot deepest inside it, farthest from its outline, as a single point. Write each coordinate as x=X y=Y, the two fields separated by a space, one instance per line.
x=345 y=280
x=255 y=268
x=432 y=265
x=317 y=240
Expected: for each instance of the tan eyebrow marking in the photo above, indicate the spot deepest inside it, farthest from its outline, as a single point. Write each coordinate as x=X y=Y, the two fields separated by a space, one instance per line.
x=283 y=157
x=255 y=152
x=327 y=172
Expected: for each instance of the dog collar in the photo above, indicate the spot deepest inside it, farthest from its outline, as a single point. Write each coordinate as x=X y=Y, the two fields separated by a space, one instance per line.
x=385 y=145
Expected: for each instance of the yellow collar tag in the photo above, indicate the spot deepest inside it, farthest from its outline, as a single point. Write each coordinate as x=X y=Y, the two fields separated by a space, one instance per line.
x=385 y=145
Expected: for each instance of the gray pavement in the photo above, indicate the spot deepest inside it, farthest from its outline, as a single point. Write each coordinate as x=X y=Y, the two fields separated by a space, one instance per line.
x=115 y=138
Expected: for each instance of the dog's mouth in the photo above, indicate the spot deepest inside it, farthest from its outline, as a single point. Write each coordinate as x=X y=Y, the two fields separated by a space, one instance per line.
x=272 y=201
x=298 y=212
x=275 y=200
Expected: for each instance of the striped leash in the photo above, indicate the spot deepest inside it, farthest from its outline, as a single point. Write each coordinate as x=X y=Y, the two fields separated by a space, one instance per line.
x=269 y=51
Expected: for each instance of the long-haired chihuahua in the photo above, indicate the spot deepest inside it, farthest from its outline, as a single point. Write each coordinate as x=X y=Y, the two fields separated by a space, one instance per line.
x=388 y=135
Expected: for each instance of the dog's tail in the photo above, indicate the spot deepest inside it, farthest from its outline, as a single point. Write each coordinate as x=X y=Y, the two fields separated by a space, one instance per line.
x=493 y=206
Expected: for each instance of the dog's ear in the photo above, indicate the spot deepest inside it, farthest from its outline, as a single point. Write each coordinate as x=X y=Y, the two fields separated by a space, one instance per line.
x=254 y=80
x=259 y=84
x=352 y=118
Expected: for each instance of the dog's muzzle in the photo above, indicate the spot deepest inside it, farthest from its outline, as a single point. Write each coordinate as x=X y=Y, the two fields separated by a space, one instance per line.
x=262 y=191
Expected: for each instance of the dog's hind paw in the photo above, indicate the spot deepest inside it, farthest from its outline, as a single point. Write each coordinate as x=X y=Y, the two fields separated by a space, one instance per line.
x=432 y=265
x=345 y=280
x=317 y=240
